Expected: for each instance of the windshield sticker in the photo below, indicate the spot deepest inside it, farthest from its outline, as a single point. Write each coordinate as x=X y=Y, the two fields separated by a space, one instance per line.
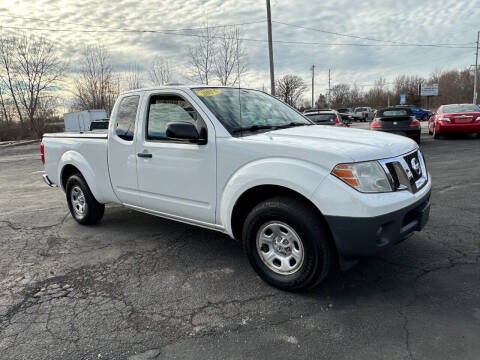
x=209 y=92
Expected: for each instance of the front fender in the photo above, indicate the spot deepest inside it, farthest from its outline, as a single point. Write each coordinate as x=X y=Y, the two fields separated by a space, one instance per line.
x=76 y=159
x=297 y=175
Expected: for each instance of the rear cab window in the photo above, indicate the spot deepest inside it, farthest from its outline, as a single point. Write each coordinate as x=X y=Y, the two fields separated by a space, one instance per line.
x=126 y=116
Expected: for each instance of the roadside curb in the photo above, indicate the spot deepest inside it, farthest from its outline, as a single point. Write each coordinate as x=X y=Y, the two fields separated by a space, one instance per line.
x=18 y=143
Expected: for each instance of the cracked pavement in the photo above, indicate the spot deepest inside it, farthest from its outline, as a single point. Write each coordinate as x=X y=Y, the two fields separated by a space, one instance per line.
x=140 y=287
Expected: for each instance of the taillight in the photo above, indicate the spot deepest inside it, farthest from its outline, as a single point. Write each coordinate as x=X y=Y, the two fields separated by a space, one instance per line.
x=337 y=121
x=42 y=152
x=415 y=123
x=375 y=125
x=444 y=119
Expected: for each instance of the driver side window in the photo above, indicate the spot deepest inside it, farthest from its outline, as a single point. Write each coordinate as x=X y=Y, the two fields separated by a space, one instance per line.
x=164 y=109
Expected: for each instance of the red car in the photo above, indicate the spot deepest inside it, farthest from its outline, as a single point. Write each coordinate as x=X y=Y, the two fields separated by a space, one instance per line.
x=455 y=119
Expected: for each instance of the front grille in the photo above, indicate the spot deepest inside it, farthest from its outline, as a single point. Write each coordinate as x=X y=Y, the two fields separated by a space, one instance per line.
x=407 y=172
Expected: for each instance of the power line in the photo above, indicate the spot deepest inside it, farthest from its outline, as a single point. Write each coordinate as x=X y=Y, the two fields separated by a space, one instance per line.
x=368 y=38
x=171 y=32
x=132 y=30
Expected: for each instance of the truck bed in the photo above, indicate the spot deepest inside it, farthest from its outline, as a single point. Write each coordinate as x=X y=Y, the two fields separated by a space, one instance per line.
x=87 y=151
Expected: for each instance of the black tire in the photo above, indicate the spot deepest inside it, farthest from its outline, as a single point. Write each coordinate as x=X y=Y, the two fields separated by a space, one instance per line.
x=92 y=210
x=425 y=117
x=315 y=239
x=436 y=135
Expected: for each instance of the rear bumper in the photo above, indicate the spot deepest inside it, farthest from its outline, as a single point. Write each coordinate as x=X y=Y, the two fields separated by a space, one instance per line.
x=357 y=237
x=412 y=133
x=447 y=128
x=47 y=180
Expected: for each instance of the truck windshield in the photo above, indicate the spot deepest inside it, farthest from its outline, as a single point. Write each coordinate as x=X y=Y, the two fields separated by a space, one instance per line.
x=243 y=111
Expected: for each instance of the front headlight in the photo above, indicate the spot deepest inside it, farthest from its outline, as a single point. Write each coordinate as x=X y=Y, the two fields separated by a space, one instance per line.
x=367 y=177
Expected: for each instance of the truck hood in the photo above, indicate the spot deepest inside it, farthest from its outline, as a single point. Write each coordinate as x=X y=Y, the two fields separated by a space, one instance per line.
x=352 y=144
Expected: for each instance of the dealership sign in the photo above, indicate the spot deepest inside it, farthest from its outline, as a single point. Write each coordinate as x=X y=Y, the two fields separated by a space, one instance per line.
x=429 y=90
x=403 y=99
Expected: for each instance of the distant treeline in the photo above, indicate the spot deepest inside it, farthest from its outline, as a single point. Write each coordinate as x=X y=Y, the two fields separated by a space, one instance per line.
x=455 y=86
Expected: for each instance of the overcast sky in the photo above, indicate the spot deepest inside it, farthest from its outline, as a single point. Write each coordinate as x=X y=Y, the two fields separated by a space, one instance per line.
x=412 y=21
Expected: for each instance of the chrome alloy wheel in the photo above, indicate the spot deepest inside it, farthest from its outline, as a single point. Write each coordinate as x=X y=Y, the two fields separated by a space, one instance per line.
x=78 y=201
x=280 y=247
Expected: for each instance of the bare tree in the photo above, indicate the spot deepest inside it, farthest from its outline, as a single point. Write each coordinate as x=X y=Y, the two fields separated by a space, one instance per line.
x=134 y=79
x=160 y=71
x=290 y=89
x=8 y=73
x=321 y=101
x=5 y=105
x=202 y=56
x=30 y=66
x=39 y=68
x=230 y=57
x=340 y=96
x=97 y=86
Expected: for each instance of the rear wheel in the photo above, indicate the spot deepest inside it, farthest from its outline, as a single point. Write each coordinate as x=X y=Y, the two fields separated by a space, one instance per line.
x=83 y=206
x=425 y=117
x=287 y=244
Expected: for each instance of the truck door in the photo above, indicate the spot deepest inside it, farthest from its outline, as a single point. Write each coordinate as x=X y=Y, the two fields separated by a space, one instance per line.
x=176 y=178
x=122 y=157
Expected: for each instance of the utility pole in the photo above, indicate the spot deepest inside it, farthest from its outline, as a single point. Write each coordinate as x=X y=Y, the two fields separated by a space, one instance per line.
x=328 y=100
x=475 y=93
x=270 y=49
x=313 y=86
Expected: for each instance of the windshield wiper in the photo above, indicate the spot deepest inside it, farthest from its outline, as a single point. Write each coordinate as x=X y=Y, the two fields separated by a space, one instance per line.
x=291 y=124
x=254 y=128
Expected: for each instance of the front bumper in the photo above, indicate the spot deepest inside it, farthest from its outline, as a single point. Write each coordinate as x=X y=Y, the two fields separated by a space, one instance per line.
x=356 y=237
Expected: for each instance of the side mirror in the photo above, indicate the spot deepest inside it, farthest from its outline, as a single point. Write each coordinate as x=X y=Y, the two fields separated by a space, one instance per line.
x=183 y=130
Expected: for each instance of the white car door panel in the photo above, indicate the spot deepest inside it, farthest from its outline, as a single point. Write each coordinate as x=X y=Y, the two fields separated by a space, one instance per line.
x=122 y=154
x=179 y=177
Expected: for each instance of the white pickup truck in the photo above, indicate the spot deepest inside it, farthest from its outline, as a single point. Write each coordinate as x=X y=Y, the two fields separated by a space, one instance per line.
x=300 y=197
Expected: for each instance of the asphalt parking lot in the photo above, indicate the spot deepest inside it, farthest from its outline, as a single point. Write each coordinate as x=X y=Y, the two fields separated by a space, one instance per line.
x=140 y=287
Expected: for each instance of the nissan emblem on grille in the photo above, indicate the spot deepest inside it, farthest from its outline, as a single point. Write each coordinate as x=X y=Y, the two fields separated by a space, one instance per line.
x=406 y=172
x=416 y=166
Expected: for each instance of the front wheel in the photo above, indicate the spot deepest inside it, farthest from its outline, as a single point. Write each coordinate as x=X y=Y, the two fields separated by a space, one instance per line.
x=85 y=209
x=287 y=244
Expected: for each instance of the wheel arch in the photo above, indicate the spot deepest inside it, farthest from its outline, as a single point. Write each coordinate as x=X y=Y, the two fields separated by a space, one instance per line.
x=73 y=162
x=253 y=196
x=67 y=171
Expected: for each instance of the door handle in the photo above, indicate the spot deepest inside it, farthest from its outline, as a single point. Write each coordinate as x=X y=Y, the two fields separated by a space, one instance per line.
x=144 y=155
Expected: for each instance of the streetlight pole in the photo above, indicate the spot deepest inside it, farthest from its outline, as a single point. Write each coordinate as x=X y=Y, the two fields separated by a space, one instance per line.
x=270 y=49
x=475 y=94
